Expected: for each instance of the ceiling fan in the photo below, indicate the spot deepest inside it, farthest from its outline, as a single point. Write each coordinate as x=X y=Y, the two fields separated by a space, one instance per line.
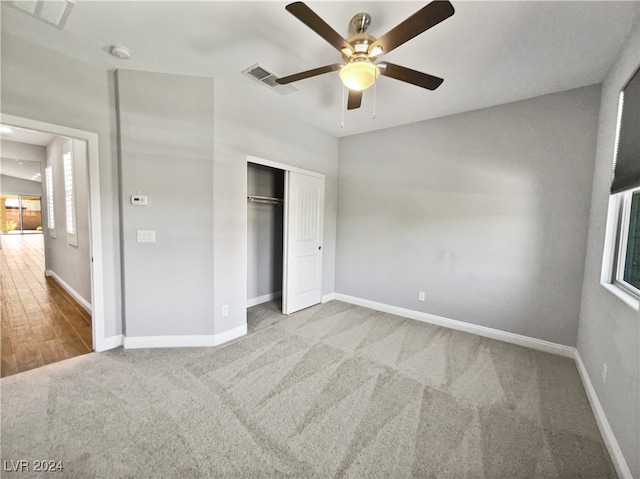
x=361 y=50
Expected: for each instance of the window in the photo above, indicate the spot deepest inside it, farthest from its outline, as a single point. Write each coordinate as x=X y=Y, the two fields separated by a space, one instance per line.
x=627 y=261
x=20 y=214
x=51 y=217
x=69 y=193
x=623 y=231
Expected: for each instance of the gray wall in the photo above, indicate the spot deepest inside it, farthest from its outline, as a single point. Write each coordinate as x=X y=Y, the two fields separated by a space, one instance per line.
x=484 y=211
x=264 y=232
x=82 y=96
x=69 y=262
x=75 y=95
x=252 y=128
x=609 y=329
x=166 y=130
x=10 y=185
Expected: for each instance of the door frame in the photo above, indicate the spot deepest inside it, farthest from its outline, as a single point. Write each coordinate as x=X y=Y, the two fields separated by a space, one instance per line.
x=286 y=168
x=95 y=226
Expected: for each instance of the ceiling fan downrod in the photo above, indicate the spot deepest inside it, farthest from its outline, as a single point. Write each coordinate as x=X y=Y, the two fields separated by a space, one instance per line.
x=360 y=22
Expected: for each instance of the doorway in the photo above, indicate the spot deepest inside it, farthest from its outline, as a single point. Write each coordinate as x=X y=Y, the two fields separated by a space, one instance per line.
x=83 y=316
x=265 y=220
x=20 y=214
x=285 y=217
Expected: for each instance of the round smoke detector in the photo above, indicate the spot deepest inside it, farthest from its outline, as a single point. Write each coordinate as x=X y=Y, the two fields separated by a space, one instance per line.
x=123 y=53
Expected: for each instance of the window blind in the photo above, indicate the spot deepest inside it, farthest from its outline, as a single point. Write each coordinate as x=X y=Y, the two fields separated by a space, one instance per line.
x=69 y=193
x=51 y=217
x=626 y=170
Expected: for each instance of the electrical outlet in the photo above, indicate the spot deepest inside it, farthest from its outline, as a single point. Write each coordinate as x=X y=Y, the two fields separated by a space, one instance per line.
x=605 y=371
x=225 y=311
x=421 y=296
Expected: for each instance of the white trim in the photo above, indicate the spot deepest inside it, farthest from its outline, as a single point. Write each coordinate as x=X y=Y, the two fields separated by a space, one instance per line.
x=619 y=462
x=74 y=294
x=505 y=336
x=97 y=269
x=113 y=342
x=282 y=166
x=229 y=335
x=328 y=297
x=263 y=299
x=194 y=341
x=168 y=341
x=285 y=243
x=625 y=220
x=616 y=235
x=610 y=239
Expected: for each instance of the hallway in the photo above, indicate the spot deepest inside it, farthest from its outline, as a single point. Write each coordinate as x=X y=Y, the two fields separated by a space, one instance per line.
x=41 y=323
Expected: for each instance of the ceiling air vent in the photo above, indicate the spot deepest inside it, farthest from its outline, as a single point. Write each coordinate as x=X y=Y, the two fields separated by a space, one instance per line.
x=53 y=12
x=260 y=74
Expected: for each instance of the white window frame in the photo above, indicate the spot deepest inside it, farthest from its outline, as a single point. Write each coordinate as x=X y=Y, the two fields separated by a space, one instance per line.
x=624 y=221
x=69 y=193
x=51 y=209
x=617 y=234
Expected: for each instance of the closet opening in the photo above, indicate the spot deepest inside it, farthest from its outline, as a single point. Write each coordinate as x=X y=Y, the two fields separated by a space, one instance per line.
x=265 y=234
x=285 y=219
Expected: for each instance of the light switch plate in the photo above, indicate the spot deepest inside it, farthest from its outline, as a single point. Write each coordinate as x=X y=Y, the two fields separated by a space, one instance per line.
x=146 y=236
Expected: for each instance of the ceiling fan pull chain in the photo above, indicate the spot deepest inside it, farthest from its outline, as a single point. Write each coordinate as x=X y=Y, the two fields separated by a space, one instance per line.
x=342 y=107
x=374 y=101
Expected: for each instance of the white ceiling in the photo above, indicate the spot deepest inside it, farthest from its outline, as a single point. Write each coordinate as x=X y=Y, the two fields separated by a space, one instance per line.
x=489 y=53
x=24 y=169
x=19 y=167
x=20 y=135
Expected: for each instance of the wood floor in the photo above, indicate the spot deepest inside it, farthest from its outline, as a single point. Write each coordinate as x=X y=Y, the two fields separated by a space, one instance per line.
x=41 y=323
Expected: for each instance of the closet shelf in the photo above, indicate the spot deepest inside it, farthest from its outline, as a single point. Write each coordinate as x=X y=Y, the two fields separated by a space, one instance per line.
x=264 y=199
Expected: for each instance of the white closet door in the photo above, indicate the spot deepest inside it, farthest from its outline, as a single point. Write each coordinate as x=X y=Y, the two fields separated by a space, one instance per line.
x=304 y=218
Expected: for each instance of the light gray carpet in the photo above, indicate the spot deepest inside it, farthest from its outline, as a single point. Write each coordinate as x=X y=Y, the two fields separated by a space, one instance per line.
x=332 y=391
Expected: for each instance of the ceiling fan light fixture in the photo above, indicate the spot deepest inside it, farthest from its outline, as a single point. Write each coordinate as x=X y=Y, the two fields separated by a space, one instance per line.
x=347 y=52
x=376 y=51
x=359 y=75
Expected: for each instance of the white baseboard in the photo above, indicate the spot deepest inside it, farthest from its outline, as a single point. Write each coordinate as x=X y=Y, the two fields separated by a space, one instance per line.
x=263 y=299
x=229 y=335
x=74 y=294
x=507 y=337
x=329 y=297
x=110 y=343
x=140 y=342
x=619 y=462
x=193 y=341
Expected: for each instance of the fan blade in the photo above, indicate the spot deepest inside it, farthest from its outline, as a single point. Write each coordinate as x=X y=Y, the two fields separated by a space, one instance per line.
x=413 y=26
x=309 y=74
x=408 y=75
x=318 y=25
x=355 y=100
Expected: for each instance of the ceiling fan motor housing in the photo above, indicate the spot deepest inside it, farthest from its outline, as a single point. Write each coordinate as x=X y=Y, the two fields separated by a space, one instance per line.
x=360 y=43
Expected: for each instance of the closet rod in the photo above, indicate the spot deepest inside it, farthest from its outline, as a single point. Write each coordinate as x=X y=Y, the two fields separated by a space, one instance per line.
x=264 y=199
